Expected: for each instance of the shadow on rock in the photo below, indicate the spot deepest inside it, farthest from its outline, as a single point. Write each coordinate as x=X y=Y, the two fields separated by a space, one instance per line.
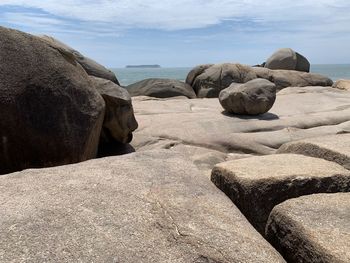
x=113 y=149
x=266 y=116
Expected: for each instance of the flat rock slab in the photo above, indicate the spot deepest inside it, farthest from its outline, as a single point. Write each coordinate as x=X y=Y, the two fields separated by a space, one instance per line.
x=314 y=228
x=257 y=184
x=153 y=206
x=298 y=113
x=334 y=148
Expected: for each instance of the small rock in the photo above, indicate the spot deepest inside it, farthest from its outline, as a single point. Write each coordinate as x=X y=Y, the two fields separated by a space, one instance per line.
x=342 y=84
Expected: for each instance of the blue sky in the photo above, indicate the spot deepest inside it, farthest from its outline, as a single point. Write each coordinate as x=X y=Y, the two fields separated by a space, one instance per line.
x=188 y=32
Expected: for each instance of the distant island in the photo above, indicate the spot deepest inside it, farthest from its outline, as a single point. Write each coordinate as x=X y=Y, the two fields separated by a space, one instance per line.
x=143 y=66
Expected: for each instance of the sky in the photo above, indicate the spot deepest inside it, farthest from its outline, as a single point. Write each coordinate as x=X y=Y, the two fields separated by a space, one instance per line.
x=185 y=33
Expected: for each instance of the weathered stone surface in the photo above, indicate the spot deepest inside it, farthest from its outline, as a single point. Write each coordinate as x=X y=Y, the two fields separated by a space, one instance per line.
x=314 y=228
x=119 y=121
x=342 y=84
x=50 y=113
x=90 y=66
x=143 y=207
x=287 y=58
x=213 y=79
x=257 y=184
x=334 y=148
x=161 y=88
x=192 y=75
x=252 y=98
x=298 y=113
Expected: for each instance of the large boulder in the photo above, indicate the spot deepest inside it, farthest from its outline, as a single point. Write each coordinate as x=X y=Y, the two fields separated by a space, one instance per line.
x=153 y=206
x=51 y=113
x=90 y=66
x=287 y=58
x=161 y=88
x=252 y=98
x=342 y=84
x=119 y=121
x=313 y=228
x=192 y=75
x=210 y=80
x=257 y=184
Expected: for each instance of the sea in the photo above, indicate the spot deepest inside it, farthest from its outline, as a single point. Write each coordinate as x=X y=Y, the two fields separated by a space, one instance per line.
x=127 y=76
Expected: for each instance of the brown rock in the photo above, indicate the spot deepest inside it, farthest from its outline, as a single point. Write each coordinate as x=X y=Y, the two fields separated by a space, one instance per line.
x=342 y=84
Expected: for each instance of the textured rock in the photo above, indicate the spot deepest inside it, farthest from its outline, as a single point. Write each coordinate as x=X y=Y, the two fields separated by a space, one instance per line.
x=90 y=66
x=287 y=58
x=253 y=98
x=209 y=83
x=342 y=84
x=298 y=113
x=51 y=113
x=192 y=75
x=314 y=228
x=257 y=184
x=161 y=88
x=119 y=121
x=334 y=148
x=143 y=207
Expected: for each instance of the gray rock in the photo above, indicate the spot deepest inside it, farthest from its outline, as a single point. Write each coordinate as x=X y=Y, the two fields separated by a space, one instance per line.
x=252 y=98
x=192 y=75
x=90 y=66
x=51 y=114
x=213 y=79
x=335 y=148
x=314 y=228
x=258 y=184
x=288 y=59
x=161 y=88
x=342 y=84
x=142 y=207
x=119 y=121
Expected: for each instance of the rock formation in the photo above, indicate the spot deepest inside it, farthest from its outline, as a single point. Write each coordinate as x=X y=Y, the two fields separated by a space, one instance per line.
x=287 y=58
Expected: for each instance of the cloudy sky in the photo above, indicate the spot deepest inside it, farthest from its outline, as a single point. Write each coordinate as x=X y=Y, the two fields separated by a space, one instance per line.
x=188 y=32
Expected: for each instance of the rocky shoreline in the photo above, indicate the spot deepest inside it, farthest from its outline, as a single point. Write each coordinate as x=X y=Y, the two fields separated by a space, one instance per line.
x=237 y=164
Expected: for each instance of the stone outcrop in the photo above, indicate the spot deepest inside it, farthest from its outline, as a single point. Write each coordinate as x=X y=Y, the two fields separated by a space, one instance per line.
x=119 y=121
x=314 y=228
x=90 y=66
x=51 y=114
x=258 y=184
x=192 y=75
x=142 y=207
x=287 y=58
x=252 y=98
x=334 y=148
x=161 y=88
x=210 y=80
x=342 y=84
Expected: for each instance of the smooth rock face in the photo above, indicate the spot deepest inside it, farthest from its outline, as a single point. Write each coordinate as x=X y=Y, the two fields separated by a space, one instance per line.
x=257 y=184
x=143 y=207
x=209 y=83
x=161 y=88
x=314 y=228
x=334 y=148
x=252 y=98
x=119 y=121
x=90 y=66
x=287 y=58
x=298 y=113
x=50 y=113
x=342 y=84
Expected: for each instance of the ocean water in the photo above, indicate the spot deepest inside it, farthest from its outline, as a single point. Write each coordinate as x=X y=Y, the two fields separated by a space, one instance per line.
x=127 y=76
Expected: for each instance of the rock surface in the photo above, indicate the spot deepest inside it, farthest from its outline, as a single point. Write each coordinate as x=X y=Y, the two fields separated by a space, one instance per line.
x=314 y=228
x=258 y=184
x=90 y=66
x=298 y=113
x=51 y=113
x=287 y=58
x=192 y=75
x=342 y=84
x=161 y=88
x=334 y=148
x=142 y=207
x=213 y=79
x=252 y=98
x=119 y=121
